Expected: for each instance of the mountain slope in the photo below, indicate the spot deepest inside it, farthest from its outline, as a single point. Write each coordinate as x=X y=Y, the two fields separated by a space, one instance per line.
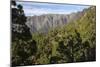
x=43 y=23
x=74 y=42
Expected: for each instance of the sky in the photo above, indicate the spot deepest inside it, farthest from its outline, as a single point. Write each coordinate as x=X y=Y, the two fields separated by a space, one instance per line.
x=36 y=8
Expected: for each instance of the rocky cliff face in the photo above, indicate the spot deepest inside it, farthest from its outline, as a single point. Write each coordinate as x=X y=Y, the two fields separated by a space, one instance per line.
x=44 y=22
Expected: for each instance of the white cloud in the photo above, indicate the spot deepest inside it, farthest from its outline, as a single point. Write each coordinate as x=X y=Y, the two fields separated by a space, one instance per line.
x=32 y=8
x=40 y=11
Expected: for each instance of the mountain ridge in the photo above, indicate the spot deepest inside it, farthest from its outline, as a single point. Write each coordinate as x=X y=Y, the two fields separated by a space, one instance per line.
x=45 y=22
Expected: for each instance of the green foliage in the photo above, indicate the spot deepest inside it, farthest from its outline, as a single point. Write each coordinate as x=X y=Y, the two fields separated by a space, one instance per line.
x=74 y=42
x=23 y=47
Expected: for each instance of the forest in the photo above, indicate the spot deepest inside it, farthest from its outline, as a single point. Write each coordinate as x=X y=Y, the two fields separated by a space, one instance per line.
x=73 y=42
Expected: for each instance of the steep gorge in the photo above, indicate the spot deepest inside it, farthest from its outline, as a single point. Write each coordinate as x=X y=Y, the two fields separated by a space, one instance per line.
x=43 y=23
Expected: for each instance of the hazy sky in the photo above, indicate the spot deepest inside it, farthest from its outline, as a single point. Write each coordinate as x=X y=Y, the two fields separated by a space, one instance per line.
x=33 y=8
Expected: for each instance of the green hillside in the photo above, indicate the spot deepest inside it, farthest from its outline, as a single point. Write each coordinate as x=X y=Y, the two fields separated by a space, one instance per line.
x=73 y=42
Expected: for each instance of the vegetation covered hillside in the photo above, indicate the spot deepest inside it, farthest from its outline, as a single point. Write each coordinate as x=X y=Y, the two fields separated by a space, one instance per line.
x=73 y=42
